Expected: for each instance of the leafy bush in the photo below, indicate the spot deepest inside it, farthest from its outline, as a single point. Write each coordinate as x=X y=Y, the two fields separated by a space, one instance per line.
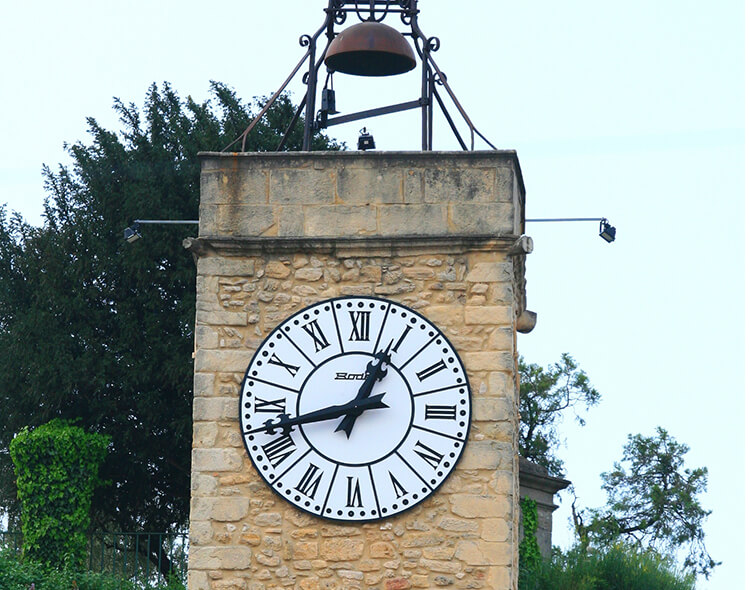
x=529 y=555
x=57 y=471
x=619 y=568
x=17 y=575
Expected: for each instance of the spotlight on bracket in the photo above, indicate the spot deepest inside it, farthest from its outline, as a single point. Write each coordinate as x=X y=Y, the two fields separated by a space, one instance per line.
x=132 y=234
x=365 y=141
x=606 y=231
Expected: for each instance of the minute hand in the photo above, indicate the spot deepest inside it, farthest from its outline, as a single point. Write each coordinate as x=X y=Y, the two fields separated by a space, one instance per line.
x=375 y=372
x=285 y=423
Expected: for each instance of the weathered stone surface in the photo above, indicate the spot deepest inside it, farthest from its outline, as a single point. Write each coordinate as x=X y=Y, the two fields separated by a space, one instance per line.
x=276 y=269
x=488 y=361
x=490 y=272
x=411 y=220
x=495 y=530
x=221 y=266
x=365 y=186
x=473 y=553
x=449 y=184
x=488 y=315
x=382 y=550
x=470 y=506
x=305 y=550
x=397 y=584
x=216 y=460
x=341 y=221
x=213 y=409
x=301 y=186
x=342 y=549
x=222 y=361
x=221 y=318
x=485 y=218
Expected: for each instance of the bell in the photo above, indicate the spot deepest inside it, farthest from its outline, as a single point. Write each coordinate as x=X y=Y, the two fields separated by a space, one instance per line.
x=370 y=49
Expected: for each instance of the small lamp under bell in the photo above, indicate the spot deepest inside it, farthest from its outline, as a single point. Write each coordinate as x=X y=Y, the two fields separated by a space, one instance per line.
x=365 y=141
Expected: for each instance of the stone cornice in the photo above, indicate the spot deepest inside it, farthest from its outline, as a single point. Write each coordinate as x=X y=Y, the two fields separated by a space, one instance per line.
x=369 y=245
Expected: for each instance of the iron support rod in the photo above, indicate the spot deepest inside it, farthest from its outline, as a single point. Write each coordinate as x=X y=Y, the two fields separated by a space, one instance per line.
x=312 y=83
x=431 y=112
x=288 y=131
x=250 y=127
x=548 y=219
x=444 y=82
x=425 y=82
x=448 y=118
x=168 y=221
x=396 y=108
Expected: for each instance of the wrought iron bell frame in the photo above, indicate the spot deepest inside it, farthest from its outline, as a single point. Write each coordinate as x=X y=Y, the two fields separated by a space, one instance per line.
x=432 y=76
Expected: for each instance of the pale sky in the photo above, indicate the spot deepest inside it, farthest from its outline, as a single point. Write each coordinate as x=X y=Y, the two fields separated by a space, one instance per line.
x=632 y=111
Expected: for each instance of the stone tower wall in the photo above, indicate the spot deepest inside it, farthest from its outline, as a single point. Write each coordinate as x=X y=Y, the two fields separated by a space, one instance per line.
x=435 y=231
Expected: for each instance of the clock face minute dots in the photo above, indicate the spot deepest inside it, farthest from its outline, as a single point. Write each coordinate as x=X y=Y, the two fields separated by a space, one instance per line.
x=355 y=409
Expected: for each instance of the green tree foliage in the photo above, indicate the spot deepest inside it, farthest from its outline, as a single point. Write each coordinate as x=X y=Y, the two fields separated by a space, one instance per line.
x=101 y=331
x=616 y=568
x=652 y=502
x=545 y=396
x=57 y=469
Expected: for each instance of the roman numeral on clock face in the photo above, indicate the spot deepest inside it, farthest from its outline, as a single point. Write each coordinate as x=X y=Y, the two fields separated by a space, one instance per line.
x=274 y=406
x=397 y=487
x=431 y=456
x=279 y=449
x=313 y=329
x=353 y=494
x=407 y=329
x=360 y=325
x=440 y=412
x=275 y=360
x=431 y=370
x=310 y=481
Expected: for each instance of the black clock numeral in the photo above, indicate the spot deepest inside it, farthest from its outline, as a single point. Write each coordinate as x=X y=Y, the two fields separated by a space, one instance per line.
x=431 y=456
x=310 y=481
x=431 y=370
x=360 y=325
x=275 y=360
x=273 y=406
x=397 y=487
x=439 y=412
x=279 y=449
x=401 y=339
x=353 y=493
x=313 y=329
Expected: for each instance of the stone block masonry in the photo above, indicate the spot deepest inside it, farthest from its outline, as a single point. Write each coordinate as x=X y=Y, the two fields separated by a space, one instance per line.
x=281 y=231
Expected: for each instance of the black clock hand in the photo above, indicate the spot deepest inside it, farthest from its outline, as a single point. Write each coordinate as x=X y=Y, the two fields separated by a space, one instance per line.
x=285 y=423
x=375 y=372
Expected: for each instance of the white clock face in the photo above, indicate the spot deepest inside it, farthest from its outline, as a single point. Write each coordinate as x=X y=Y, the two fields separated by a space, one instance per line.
x=355 y=409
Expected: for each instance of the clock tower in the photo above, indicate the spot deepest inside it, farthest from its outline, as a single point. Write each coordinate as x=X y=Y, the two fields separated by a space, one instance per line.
x=356 y=384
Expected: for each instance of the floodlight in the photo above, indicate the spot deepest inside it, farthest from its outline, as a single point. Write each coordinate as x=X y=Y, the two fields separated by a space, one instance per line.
x=606 y=231
x=132 y=234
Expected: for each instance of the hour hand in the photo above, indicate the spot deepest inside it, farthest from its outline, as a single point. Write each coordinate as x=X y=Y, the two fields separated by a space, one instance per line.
x=284 y=423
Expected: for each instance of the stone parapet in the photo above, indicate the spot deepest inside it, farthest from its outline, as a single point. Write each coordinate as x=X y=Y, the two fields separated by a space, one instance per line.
x=345 y=194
